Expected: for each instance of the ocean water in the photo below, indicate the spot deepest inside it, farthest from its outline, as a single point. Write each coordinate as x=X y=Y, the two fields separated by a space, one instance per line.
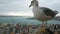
x=24 y=20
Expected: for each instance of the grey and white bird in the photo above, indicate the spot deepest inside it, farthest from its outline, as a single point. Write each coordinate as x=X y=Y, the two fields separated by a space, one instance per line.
x=42 y=13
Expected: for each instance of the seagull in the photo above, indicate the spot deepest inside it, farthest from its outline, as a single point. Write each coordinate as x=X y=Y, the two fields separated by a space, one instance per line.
x=42 y=13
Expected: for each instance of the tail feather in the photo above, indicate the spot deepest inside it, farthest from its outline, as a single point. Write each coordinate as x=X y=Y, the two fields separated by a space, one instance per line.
x=56 y=12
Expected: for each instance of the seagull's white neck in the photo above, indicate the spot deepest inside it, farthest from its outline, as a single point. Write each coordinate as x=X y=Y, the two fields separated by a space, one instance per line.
x=35 y=5
x=35 y=10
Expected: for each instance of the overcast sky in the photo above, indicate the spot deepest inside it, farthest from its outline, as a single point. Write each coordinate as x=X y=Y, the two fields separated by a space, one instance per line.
x=21 y=7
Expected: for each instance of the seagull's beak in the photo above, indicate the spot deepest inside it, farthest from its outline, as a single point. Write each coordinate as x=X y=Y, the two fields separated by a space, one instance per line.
x=30 y=5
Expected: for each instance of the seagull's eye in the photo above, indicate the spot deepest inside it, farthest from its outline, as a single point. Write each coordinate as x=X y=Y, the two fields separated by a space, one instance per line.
x=32 y=2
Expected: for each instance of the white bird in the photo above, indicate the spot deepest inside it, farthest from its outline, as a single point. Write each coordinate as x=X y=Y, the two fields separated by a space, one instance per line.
x=42 y=13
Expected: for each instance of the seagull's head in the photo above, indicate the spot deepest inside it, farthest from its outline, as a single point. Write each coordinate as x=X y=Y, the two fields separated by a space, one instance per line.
x=33 y=3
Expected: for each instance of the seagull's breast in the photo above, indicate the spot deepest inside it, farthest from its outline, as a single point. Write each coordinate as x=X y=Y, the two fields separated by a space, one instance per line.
x=38 y=13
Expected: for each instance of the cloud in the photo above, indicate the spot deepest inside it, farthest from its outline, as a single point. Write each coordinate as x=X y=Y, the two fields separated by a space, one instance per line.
x=13 y=5
x=22 y=6
x=55 y=5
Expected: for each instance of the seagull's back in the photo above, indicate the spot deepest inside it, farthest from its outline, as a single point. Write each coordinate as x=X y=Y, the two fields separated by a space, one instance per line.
x=49 y=12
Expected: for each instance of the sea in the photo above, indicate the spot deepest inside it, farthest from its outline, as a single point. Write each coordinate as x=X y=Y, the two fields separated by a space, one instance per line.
x=23 y=20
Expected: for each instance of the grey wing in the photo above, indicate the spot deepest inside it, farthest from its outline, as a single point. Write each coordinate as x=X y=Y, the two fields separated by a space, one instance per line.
x=49 y=12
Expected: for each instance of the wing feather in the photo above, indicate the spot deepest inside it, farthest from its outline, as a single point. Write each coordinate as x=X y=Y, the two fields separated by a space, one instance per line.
x=49 y=12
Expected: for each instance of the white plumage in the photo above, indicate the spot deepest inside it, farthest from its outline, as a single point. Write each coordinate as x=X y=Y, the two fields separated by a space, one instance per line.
x=38 y=13
x=42 y=13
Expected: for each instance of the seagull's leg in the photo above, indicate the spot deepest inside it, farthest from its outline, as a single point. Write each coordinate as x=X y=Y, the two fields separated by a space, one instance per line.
x=42 y=23
x=46 y=23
